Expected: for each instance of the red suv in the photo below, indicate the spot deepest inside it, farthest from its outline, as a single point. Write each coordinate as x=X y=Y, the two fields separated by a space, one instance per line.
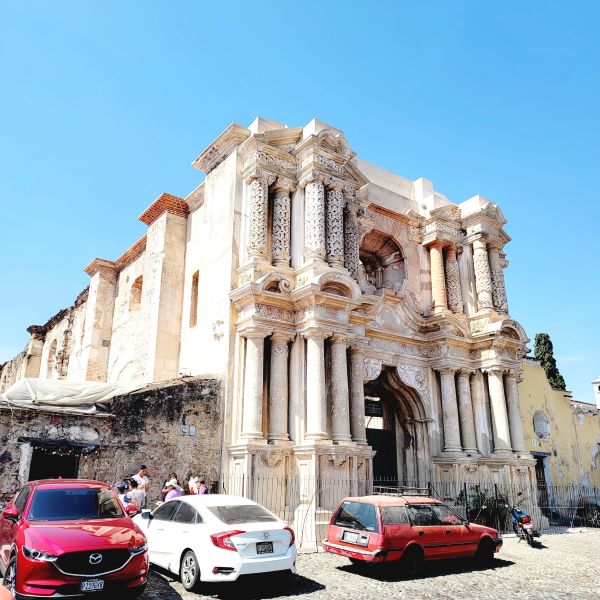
x=409 y=529
x=69 y=537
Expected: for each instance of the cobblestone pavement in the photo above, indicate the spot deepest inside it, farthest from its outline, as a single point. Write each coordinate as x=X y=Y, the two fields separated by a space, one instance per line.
x=564 y=566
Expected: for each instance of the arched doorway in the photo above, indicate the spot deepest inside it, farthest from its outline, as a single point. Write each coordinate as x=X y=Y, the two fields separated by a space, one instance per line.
x=396 y=430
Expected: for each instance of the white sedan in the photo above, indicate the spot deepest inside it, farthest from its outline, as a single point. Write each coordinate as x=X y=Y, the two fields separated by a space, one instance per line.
x=217 y=538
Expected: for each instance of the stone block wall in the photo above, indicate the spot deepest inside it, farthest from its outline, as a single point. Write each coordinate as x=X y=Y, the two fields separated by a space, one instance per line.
x=142 y=428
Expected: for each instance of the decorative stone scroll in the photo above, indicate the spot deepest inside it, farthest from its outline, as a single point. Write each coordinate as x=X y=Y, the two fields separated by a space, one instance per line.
x=417 y=378
x=372 y=369
x=314 y=218
x=335 y=226
x=258 y=213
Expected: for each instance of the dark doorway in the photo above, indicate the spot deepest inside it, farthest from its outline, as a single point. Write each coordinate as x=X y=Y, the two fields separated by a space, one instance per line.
x=385 y=469
x=51 y=463
x=542 y=483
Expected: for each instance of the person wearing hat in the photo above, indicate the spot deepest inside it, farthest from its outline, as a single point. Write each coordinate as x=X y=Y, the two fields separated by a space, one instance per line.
x=172 y=482
x=122 y=488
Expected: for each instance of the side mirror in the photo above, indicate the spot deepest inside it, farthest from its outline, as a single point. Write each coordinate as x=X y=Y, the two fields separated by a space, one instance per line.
x=466 y=522
x=132 y=510
x=11 y=514
x=146 y=515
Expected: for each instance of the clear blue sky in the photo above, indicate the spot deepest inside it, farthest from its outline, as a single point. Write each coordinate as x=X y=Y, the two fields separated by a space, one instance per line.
x=104 y=105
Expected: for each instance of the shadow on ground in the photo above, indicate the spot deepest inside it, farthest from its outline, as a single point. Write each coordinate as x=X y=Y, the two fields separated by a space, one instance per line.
x=437 y=568
x=247 y=587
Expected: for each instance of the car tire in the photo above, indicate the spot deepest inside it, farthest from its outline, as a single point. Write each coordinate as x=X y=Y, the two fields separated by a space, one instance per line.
x=138 y=591
x=485 y=552
x=10 y=576
x=411 y=560
x=190 y=572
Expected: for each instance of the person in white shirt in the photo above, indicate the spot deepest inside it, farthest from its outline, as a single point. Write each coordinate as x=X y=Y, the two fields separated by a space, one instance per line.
x=136 y=495
x=142 y=478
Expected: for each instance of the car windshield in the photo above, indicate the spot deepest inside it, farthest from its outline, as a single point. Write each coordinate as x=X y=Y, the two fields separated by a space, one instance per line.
x=74 y=505
x=242 y=513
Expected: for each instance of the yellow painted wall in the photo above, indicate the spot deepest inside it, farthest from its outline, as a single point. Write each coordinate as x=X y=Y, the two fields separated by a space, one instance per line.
x=572 y=443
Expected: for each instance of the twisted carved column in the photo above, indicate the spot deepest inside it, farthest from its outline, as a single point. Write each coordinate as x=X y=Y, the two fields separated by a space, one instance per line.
x=438 y=280
x=450 y=411
x=357 y=396
x=335 y=226
x=278 y=388
x=281 y=224
x=340 y=405
x=253 y=386
x=314 y=219
x=316 y=389
x=455 y=302
x=483 y=280
x=497 y=275
x=515 y=420
x=351 y=239
x=258 y=215
x=465 y=411
x=502 y=442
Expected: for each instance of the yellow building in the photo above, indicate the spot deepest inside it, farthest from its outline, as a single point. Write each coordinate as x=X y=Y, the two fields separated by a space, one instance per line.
x=563 y=435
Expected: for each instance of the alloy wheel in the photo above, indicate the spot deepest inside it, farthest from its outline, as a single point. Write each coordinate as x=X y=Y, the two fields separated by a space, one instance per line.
x=10 y=577
x=188 y=570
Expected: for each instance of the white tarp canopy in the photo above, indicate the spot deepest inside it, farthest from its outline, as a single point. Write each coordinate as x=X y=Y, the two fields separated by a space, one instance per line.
x=59 y=395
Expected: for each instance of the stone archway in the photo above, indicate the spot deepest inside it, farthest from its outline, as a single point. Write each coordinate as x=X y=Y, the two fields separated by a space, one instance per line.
x=397 y=431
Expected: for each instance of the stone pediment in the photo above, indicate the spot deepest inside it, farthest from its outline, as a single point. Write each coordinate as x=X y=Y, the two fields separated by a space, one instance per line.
x=221 y=148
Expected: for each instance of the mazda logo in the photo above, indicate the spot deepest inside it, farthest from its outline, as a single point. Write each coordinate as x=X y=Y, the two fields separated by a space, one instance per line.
x=96 y=558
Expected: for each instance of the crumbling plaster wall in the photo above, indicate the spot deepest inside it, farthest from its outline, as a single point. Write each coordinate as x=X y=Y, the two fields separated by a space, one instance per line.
x=11 y=371
x=142 y=428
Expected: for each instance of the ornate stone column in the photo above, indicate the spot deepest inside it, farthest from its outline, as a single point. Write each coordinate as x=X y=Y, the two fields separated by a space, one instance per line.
x=515 y=420
x=480 y=414
x=502 y=444
x=258 y=213
x=455 y=302
x=253 y=386
x=316 y=389
x=335 y=225
x=278 y=388
x=281 y=223
x=483 y=280
x=450 y=411
x=438 y=280
x=351 y=239
x=357 y=396
x=314 y=218
x=340 y=399
x=465 y=411
x=497 y=275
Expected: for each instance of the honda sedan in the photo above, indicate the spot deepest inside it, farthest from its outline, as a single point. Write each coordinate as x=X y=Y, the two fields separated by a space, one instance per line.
x=217 y=538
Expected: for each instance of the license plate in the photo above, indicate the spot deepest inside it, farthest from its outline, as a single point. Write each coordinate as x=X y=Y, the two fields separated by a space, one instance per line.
x=350 y=536
x=264 y=548
x=92 y=585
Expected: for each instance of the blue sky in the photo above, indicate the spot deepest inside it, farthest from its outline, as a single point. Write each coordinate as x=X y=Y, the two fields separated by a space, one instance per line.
x=104 y=105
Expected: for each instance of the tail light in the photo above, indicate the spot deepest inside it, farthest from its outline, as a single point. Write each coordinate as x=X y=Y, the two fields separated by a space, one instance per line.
x=292 y=536
x=223 y=540
x=525 y=520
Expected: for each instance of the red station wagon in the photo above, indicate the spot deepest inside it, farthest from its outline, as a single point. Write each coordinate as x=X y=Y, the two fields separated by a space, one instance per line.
x=68 y=537
x=409 y=529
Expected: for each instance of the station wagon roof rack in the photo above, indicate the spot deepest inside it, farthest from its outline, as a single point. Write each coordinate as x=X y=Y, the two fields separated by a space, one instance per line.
x=400 y=490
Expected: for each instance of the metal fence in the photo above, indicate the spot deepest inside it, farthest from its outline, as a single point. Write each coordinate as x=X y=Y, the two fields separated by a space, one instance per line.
x=308 y=504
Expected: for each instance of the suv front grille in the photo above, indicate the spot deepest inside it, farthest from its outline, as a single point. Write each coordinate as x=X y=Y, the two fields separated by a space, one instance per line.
x=86 y=563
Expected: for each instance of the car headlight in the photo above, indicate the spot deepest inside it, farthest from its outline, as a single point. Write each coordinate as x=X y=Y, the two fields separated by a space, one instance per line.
x=139 y=549
x=33 y=554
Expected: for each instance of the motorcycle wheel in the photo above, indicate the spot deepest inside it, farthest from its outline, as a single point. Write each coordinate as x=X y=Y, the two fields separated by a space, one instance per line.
x=529 y=537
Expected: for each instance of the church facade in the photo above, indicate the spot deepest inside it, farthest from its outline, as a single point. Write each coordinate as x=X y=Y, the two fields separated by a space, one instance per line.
x=358 y=321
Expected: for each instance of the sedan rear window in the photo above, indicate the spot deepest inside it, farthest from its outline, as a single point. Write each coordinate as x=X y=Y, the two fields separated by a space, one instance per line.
x=74 y=505
x=356 y=515
x=242 y=513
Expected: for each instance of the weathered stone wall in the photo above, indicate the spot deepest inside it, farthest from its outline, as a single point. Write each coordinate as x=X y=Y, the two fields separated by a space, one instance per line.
x=11 y=370
x=142 y=428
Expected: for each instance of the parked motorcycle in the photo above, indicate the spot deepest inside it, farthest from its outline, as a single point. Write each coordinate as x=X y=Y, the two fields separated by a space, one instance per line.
x=522 y=523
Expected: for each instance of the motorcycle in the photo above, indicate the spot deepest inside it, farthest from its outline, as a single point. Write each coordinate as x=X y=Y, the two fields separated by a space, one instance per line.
x=522 y=523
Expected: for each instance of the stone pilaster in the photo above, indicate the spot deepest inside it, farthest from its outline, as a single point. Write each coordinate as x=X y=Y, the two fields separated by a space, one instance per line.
x=278 y=388
x=497 y=277
x=465 y=411
x=351 y=239
x=316 y=389
x=253 y=386
x=515 y=420
x=340 y=399
x=357 y=396
x=335 y=226
x=454 y=295
x=314 y=218
x=483 y=279
x=500 y=428
x=258 y=214
x=438 y=279
x=281 y=223
x=450 y=411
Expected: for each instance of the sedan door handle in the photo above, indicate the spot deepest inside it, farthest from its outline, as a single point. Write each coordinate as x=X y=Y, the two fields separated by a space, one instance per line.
x=421 y=533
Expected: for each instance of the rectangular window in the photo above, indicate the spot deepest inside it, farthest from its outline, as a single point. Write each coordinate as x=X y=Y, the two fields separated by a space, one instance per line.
x=356 y=515
x=194 y=301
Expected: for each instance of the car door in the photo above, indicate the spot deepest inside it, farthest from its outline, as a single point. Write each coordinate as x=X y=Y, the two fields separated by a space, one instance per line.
x=185 y=528
x=458 y=538
x=158 y=533
x=8 y=528
x=426 y=530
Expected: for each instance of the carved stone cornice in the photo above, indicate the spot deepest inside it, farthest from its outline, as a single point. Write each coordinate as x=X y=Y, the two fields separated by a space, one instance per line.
x=258 y=155
x=221 y=148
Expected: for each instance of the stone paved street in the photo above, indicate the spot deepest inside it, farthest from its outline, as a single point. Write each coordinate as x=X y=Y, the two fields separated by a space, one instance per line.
x=565 y=566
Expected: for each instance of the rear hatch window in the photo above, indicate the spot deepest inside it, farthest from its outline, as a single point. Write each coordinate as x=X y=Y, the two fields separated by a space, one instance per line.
x=356 y=515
